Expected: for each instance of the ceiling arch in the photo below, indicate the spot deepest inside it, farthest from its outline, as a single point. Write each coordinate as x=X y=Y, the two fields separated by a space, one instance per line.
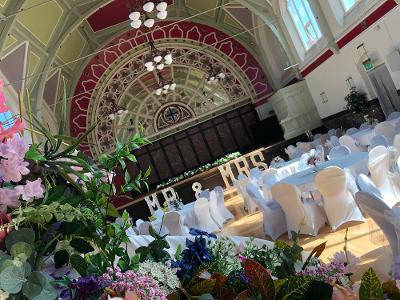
x=99 y=76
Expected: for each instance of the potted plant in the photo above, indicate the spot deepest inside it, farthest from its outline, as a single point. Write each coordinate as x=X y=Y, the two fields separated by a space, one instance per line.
x=357 y=103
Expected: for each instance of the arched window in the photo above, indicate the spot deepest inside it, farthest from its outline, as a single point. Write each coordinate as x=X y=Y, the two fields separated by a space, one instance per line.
x=6 y=118
x=348 y=4
x=305 y=22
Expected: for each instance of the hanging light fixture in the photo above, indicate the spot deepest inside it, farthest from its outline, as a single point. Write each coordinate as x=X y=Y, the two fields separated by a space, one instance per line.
x=116 y=111
x=146 y=12
x=164 y=86
x=216 y=76
x=157 y=59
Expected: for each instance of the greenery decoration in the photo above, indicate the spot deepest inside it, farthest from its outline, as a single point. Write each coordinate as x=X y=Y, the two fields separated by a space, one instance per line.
x=357 y=102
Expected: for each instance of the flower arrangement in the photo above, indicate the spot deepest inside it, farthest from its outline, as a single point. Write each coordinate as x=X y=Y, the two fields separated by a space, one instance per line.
x=312 y=158
x=200 y=169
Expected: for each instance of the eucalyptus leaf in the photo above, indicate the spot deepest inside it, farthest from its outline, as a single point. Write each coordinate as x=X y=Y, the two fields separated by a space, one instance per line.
x=12 y=279
x=26 y=235
x=38 y=287
x=21 y=248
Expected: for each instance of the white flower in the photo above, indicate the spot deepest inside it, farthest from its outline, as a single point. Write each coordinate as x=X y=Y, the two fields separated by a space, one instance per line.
x=166 y=278
x=4 y=295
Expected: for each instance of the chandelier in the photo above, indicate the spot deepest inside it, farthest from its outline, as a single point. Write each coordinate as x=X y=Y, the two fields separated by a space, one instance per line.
x=143 y=13
x=219 y=75
x=164 y=85
x=116 y=111
x=157 y=59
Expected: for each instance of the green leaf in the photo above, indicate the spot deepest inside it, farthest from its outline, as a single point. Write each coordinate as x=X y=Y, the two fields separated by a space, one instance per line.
x=295 y=288
x=69 y=227
x=12 y=279
x=260 y=281
x=26 y=235
x=112 y=211
x=34 y=154
x=148 y=172
x=125 y=216
x=21 y=248
x=371 y=287
x=81 y=246
x=79 y=264
x=61 y=258
x=202 y=287
x=38 y=287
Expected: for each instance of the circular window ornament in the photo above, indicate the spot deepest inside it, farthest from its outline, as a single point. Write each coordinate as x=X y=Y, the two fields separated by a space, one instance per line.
x=171 y=114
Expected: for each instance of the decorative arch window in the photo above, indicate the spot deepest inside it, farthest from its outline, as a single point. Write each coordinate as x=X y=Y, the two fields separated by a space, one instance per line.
x=305 y=22
x=7 y=120
x=348 y=4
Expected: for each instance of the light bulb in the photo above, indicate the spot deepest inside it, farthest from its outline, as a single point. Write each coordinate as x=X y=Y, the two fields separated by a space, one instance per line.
x=148 y=6
x=148 y=64
x=168 y=56
x=166 y=87
x=120 y=111
x=160 y=67
x=222 y=75
x=168 y=62
x=136 y=24
x=157 y=58
x=134 y=16
x=212 y=78
x=165 y=92
x=172 y=87
x=162 y=6
x=111 y=116
x=126 y=111
x=159 y=91
x=149 y=23
x=150 y=69
x=162 y=15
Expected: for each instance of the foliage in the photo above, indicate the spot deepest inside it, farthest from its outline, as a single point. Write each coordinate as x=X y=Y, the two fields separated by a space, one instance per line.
x=371 y=287
x=357 y=102
x=156 y=250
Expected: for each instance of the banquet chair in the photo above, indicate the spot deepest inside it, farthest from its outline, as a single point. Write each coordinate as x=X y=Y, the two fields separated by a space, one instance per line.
x=204 y=194
x=365 y=184
x=397 y=127
x=274 y=224
x=393 y=116
x=349 y=142
x=375 y=207
x=339 y=151
x=215 y=213
x=268 y=181
x=386 y=129
x=320 y=153
x=304 y=147
x=364 y=126
x=334 y=141
x=173 y=221
x=143 y=228
x=332 y=132
x=378 y=165
x=138 y=222
x=396 y=142
x=204 y=220
x=255 y=174
x=339 y=204
x=351 y=131
x=249 y=205
x=304 y=218
x=317 y=136
x=291 y=151
x=378 y=140
x=226 y=214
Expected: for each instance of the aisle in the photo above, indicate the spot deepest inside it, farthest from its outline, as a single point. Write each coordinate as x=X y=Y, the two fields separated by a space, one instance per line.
x=366 y=241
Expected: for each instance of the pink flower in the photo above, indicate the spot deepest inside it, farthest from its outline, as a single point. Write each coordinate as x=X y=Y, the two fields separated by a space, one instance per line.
x=31 y=190
x=17 y=146
x=13 y=169
x=8 y=198
x=3 y=105
x=9 y=133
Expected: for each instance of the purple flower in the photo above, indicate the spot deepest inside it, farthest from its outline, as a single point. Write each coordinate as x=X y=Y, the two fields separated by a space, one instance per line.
x=85 y=288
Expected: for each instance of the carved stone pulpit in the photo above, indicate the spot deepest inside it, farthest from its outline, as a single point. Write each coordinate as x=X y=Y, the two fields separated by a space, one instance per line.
x=295 y=109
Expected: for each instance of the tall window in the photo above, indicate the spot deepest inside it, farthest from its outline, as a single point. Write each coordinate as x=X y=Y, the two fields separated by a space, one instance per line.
x=348 y=4
x=6 y=119
x=305 y=22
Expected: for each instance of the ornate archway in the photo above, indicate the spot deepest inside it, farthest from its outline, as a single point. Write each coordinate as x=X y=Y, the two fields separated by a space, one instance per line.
x=117 y=75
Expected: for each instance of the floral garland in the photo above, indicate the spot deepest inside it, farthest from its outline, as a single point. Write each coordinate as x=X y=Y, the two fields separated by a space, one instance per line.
x=200 y=169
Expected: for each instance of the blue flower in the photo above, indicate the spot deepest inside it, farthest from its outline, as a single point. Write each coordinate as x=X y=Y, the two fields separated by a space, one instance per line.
x=197 y=232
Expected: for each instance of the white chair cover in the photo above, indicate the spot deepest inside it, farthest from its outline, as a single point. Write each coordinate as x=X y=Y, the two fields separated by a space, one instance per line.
x=291 y=151
x=138 y=222
x=203 y=216
x=351 y=131
x=268 y=181
x=349 y=142
x=204 y=194
x=317 y=136
x=214 y=210
x=306 y=218
x=304 y=147
x=320 y=153
x=143 y=227
x=173 y=221
x=375 y=208
x=378 y=165
x=366 y=185
x=273 y=216
x=393 y=116
x=386 y=129
x=364 y=126
x=378 y=140
x=255 y=174
x=339 y=204
x=332 y=132
x=339 y=151
x=226 y=214
x=334 y=141
x=396 y=142
x=397 y=127
x=249 y=205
